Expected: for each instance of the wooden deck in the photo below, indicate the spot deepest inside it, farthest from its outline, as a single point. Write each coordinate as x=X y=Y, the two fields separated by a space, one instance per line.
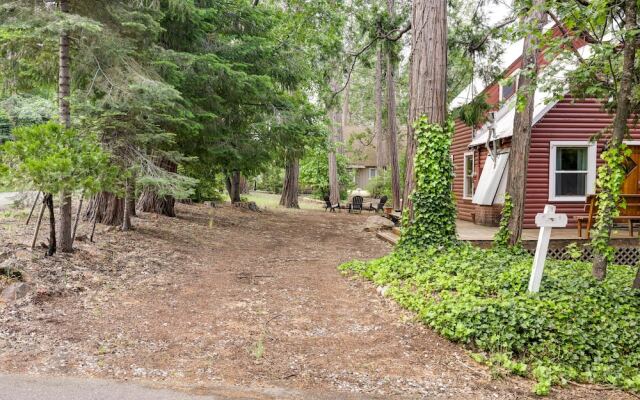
x=483 y=236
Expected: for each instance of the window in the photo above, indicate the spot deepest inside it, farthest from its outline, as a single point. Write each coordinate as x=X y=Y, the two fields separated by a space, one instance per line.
x=509 y=86
x=468 y=170
x=572 y=170
x=372 y=173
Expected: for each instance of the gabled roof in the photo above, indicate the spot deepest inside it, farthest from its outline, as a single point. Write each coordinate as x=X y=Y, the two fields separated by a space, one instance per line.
x=543 y=98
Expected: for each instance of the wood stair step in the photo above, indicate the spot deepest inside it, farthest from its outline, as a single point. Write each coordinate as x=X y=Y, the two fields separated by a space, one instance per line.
x=388 y=236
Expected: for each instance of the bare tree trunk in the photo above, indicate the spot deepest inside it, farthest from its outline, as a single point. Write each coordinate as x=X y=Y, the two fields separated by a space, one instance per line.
x=105 y=208
x=625 y=91
x=38 y=223
x=233 y=186
x=132 y=198
x=382 y=159
x=64 y=91
x=521 y=140
x=151 y=202
x=129 y=193
x=391 y=120
x=335 y=147
x=289 y=197
x=48 y=200
x=428 y=76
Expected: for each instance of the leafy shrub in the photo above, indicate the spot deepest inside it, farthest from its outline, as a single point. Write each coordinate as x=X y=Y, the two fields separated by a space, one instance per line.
x=53 y=159
x=575 y=329
x=271 y=180
x=314 y=173
x=380 y=185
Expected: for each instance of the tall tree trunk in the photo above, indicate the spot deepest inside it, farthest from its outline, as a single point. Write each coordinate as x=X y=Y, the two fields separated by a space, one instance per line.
x=391 y=120
x=48 y=201
x=521 y=139
x=105 y=208
x=382 y=160
x=132 y=198
x=335 y=147
x=64 y=91
x=151 y=202
x=427 y=76
x=233 y=186
x=129 y=193
x=289 y=197
x=625 y=91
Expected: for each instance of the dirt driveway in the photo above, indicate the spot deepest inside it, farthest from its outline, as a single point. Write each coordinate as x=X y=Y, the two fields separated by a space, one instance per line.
x=220 y=298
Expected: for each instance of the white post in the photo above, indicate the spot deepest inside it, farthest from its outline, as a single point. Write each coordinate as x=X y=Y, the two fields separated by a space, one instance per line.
x=546 y=221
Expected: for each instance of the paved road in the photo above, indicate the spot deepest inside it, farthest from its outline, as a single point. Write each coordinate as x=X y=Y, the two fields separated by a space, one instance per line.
x=7 y=198
x=31 y=387
x=45 y=388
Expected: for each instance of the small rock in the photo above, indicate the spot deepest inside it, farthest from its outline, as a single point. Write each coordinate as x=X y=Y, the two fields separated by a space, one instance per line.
x=15 y=291
x=376 y=222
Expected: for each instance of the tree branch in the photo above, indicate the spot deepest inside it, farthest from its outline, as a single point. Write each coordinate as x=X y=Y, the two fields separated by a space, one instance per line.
x=565 y=33
x=491 y=32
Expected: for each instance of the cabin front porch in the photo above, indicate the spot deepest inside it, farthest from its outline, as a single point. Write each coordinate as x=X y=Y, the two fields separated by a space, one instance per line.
x=628 y=248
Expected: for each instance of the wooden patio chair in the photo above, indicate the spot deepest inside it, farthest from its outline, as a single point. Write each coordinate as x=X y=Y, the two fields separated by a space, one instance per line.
x=329 y=206
x=380 y=206
x=629 y=215
x=356 y=204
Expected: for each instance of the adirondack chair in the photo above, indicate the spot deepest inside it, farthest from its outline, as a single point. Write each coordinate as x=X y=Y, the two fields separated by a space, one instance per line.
x=356 y=204
x=329 y=206
x=380 y=206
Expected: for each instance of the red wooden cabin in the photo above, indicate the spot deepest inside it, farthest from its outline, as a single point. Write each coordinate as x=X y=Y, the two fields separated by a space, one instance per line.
x=562 y=160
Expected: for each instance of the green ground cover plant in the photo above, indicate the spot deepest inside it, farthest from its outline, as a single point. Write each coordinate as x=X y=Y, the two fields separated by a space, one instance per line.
x=575 y=329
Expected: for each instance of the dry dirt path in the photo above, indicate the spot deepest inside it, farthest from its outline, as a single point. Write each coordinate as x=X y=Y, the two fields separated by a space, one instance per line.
x=222 y=298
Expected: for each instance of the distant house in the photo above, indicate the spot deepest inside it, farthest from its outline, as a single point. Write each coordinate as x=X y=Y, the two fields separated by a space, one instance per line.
x=361 y=153
x=562 y=160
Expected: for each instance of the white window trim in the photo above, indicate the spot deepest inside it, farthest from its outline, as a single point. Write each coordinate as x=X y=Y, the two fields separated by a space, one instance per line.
x=592 y=153
x=464 y=173
x=515 y=76
x=370 y=170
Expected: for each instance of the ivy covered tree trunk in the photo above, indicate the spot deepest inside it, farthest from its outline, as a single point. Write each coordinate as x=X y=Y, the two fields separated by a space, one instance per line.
x=391 y=120
x=151 y=201
x=105 y=208
x=427 y=79
x=521 y=140
x=382 y=160
x=434 y=210
x=64 y=91
x=232 y=182
x=609 y=197
x=289 y=197
x=48 y=201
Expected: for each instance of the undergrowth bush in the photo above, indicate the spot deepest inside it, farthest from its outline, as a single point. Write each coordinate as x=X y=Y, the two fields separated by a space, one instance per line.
x=575 y=329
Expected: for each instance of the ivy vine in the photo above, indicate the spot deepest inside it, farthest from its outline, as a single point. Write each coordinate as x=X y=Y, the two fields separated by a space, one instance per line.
x=501 y=239
x=434 y=211
x=611 y=176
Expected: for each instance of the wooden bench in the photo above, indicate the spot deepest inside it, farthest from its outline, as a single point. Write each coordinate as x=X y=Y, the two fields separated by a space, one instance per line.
x=628 y=215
